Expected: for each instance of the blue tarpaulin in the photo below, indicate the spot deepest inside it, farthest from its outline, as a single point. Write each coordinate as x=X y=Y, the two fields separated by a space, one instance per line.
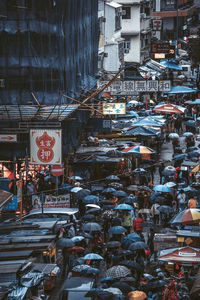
x=179 y=89
x=142 y=130
x=171 y=65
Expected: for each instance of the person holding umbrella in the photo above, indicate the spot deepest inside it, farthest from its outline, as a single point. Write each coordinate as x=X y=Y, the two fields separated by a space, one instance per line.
x=137 y=224
x=181 y=198
x=127 y=221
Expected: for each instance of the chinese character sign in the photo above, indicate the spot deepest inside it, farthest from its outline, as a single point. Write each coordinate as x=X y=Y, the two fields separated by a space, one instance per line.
x=45 y=145
x=114 y=108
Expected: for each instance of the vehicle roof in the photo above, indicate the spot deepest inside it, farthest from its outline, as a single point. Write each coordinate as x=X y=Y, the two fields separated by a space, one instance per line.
x=61 y=210
x=78 y=283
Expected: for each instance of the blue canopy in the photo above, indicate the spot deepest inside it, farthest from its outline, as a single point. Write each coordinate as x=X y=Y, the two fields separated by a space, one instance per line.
x=148 y=121
x=179 y=89
x=196 y=102
x=171 y=65
x=142 y=130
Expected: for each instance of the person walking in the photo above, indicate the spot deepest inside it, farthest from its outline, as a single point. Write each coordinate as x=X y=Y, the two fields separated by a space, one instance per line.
x=137 y=224
x=192 y=203
x=181 y=199
x=127 y=221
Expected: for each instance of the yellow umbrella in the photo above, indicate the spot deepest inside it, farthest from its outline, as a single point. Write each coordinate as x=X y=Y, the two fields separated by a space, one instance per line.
x=137 y=295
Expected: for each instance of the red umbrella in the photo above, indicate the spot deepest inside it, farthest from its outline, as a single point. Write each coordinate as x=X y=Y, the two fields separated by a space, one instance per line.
x=169 y=109
x=76 y=249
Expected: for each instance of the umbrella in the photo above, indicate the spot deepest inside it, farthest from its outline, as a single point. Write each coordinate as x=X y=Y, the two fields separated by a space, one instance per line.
x=131 y=264
x=137 y=246
x=173 y=135
x=180 y=89
x=108 y=190
x=107 y=279
x=77 y=178
x=188 y=216
x=144 y=211
x=88 y=217
x=188 y=134
x=123 y=206
x=144 y=188
x=139 y=170
x=169 y=170
x=82 y=193
x=191 y=123
x=196 y=102
x=85 y=269
x=65 y=188
x=89 y=199
x=124 y=287
x=64 y=242
x=179 y=156
x=76 y=249
x=100 y=293
x=149 y=224
x=85 y=235
x=141 y=131
x=120 y=193
x=129 y=279
x=77 y=238
x=106 y=202
x=129 y=239
x=97 y=188
x=165 y=209
x=107 y=207
x=92 y=256
x=113 y=244
x=133 y=113
x=117 y=230
x=116 y=185
x=129 y=200
x=138 y=150
x=170 y=184
x=118 y=271
x=112 y=178
x=114 y=153
x=76 y=189
x=132 y=188
x=162 y=188
x=91 y=226
x=137 y=295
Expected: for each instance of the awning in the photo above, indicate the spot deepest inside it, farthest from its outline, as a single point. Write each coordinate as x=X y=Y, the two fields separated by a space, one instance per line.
x=180 y=89
x=169 y=109
x=5 y=198
x=183 y=255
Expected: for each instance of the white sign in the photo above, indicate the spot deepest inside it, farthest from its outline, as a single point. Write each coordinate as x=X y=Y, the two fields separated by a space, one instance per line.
x=8 y=138
x=187 y=254
x=129 y=87
x=45 y=146
x=114 y=108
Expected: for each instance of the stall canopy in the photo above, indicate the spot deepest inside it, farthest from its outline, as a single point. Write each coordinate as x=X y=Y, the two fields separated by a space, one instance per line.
x=184 y=255
x=141 y=131
x=180 y=89
x=5 y=198
x=169 y=109
x=171 y=65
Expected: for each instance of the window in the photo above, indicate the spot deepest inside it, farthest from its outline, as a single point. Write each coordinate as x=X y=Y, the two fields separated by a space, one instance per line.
x=127 y=45
x=170 y=2
x=126 y=12
x=117 y=19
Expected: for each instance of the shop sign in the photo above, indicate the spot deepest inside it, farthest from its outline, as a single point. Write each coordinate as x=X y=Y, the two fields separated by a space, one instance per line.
x=129 y=87
x=187 y=254
x=157 y=25
x=114 y=108
x=45 y=146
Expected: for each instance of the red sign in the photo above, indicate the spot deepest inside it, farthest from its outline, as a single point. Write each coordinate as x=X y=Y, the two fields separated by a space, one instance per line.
x=57 y=170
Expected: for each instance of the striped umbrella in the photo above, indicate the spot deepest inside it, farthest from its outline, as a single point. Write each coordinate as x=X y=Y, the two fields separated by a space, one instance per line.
x=138 y=150
x=188 y=216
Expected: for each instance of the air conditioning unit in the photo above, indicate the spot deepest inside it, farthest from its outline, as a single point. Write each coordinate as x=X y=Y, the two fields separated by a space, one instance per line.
x=143 y=16
x=126 y=50
x=105 y=54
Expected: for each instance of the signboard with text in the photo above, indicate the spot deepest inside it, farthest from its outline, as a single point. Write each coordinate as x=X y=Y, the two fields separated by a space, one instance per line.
x=114 y=108
x=130 y=87
x=45 y=146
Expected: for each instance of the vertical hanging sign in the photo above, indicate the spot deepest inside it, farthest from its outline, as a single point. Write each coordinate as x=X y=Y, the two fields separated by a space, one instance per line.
x=45 y=146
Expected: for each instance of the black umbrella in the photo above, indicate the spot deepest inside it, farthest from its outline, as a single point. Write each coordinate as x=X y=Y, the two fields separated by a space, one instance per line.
x=144 y=188
x=124 y=287
x=91 y=226
x=165 y=209
x=88 y=218
x=117 y=230
x=85 y=234
x=116 y=185
x=100 y=293
x=112 y=178
x=120 y=193
x=82 y=193
x=97 y=188
x=154 y=285
x=139 y=171
x=131 y=264
x=106 y=202
x=107 y=207
x=108 y=190
x=130 y=280
x=137 y=246
x=129 y=200
x=90 y=199
x=132 y=188
x=149 y=224
x=64 y=242
x=113 y=244
x=114 y=153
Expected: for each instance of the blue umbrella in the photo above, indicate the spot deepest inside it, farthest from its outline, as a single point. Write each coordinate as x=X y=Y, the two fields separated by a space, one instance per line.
x=179 y=156
x=91 y=226
x=165 y=209
x=77 y=178
x=76 y=189
x=77 y=238
x=191 y=123
x=129 y=200
x=124 y=206
x=90 y=199
x=117 y=230
x=133 y=113
x=82 y=193
x=129 y=239
x=97 y=188
x=91 y=256
x=120 y=193
x=112 y=178
x=162 y=188
x=196 y=102
x=189 y=134
x=85 y=269
x=108 y=190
